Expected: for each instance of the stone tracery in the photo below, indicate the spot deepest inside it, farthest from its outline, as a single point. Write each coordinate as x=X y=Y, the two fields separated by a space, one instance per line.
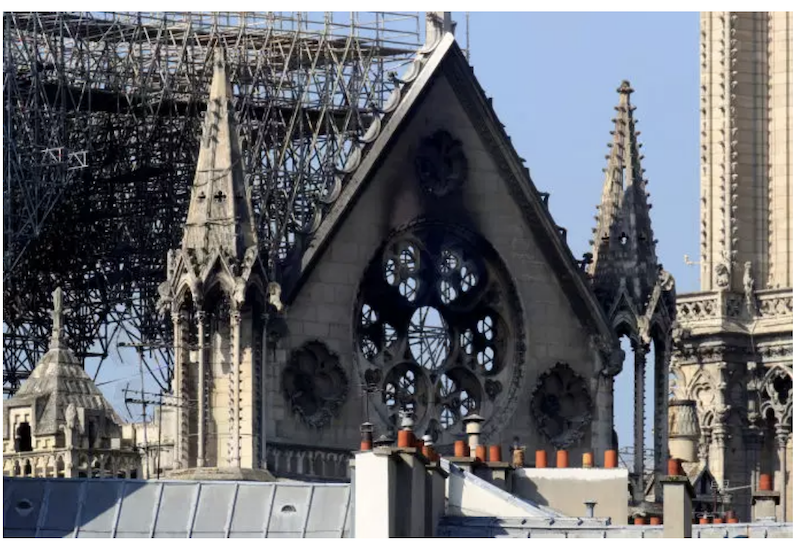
x=561 y=405
x=432 y=328
x=315 y=384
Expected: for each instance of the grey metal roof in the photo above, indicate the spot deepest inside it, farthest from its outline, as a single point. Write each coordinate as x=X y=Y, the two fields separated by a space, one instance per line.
x=158 y=509
x=489 y=527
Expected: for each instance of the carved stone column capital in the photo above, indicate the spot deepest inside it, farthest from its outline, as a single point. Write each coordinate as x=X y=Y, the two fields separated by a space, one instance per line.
x=641 y=350
x=782 y=433
x=719 y=434
x=177 y=318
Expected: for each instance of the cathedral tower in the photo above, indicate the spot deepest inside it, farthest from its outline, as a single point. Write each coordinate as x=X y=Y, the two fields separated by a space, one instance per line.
x=734 y=340
x=216 y=294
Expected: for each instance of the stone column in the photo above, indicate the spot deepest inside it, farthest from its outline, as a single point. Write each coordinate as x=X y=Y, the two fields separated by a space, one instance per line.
x=236 y=420
x=639 y=353
x=660 y=410
x=782 y=432
x=201 y=384
x=753 y=439
x=719 y=434
x=265 y=379
x=181 y=451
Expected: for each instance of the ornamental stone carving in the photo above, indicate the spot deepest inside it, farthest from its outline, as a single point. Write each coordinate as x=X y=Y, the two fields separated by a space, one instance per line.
x=561 y=405
x=723 y=278
x=438 y=333
x=315 y=384
x=441 y=164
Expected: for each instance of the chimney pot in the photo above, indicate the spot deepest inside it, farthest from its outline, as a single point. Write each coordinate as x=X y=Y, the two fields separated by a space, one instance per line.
x=638 y=521
x=562 y=459
x=480 y=453
x=405 y=439
x=588 y=460
x=495 y=454
x=673 y=467
x=472 y=426
x=541 y=459
x=610 y=459
x=366 y=436
x=765 y=482
x=655 y=520
x=460 y=449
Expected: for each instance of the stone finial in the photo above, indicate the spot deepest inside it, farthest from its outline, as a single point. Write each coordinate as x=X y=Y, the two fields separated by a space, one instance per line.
x=625 y=87
x=683 y=418
x=56 y=339
x=684 y=429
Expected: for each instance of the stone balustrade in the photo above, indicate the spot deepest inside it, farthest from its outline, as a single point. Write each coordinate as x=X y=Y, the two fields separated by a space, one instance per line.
x=307 y=462
x=773 y=303
x=69 y=463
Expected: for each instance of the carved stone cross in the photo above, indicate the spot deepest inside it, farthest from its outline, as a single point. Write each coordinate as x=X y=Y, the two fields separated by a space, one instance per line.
x=58 y=315
x=220 y=196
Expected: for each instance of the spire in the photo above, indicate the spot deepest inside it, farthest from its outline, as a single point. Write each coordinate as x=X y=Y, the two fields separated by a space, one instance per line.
x=220 y=214
x=56 y=338
x=623 y=246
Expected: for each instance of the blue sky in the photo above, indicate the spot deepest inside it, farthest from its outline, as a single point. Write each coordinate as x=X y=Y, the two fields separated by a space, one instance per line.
x=553 y=79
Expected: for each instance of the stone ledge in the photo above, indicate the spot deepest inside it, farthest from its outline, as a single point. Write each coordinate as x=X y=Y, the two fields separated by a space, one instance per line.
x=222 y=474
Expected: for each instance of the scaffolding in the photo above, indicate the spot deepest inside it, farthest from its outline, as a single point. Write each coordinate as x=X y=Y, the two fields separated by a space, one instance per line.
x=102 y=116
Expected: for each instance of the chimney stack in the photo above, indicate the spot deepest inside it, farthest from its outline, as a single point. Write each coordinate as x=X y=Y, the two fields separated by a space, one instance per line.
x=678 y=494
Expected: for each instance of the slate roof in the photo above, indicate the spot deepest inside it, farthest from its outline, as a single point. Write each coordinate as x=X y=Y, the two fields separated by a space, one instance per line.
x=34 y=507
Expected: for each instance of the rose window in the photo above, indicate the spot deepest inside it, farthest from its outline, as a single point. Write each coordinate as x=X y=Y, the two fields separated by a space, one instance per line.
x=434 y=328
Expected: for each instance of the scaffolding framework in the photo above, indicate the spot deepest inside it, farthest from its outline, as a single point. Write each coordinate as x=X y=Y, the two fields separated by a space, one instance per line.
x=102 y=115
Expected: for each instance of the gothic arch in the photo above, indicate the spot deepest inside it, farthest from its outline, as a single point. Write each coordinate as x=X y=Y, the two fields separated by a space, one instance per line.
x=776 y=394
x=703 y=390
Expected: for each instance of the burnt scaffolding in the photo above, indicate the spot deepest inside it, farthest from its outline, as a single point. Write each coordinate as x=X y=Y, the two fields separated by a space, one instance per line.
x=102 y=117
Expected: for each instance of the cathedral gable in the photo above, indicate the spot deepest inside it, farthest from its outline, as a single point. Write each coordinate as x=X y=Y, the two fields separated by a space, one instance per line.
x=439 y=290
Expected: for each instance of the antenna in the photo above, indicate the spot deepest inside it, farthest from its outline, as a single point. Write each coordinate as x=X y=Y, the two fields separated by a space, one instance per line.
x=139 y=347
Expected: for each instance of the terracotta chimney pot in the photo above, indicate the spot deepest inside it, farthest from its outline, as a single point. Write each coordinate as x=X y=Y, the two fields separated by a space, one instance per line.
x=366 y=436
x=405 y=439
x=562 y=459
x=610 y=459
x=588 y=460
x=541 y=459
x=460 y=449
x=495 y=454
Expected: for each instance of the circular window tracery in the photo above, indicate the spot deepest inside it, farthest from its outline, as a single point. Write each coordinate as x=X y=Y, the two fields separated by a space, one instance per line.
x=439 y=307
x=428 y=338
